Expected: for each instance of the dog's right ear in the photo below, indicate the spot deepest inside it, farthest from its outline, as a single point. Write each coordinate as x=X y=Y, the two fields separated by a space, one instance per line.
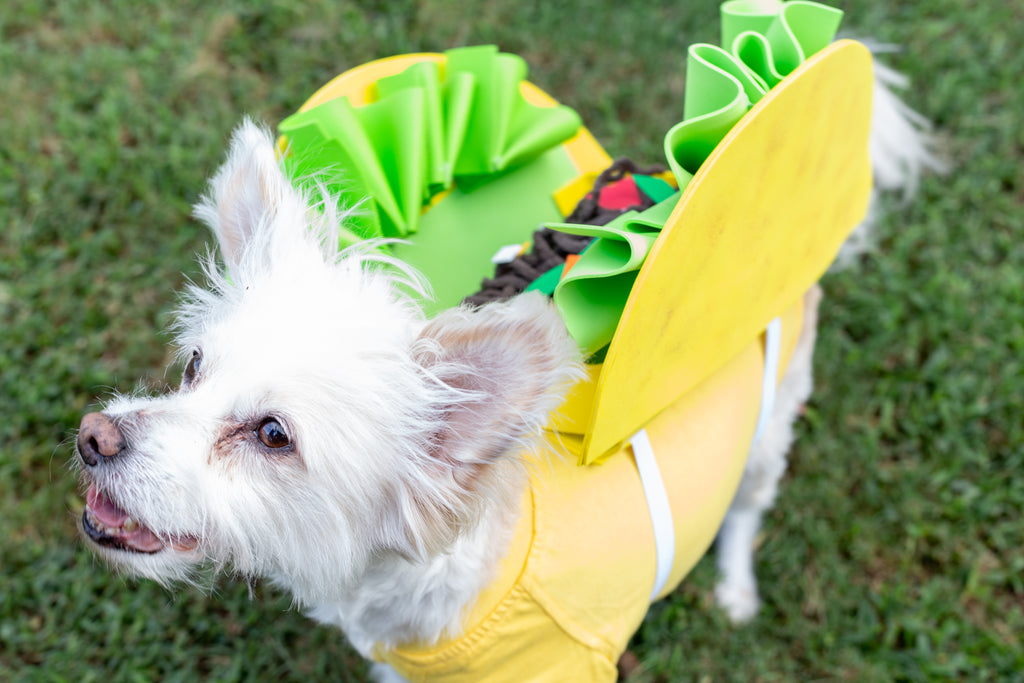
x=247 y=193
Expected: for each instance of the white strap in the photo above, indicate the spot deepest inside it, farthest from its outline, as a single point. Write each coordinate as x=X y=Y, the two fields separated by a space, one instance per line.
x=650 y=475
x=770 y=379
x=657 y=505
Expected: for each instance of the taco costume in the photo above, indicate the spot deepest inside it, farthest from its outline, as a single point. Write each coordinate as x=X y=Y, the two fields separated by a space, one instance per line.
x=686 y=295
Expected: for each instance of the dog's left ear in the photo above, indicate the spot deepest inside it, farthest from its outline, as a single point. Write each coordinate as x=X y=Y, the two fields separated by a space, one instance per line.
x=508 y=365
x=246 y=195
x=500 y=371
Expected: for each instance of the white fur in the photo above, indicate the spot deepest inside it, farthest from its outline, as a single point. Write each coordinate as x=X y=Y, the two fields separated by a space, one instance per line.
x=736 y=591
x=388 y=511
x=390 y=498
x=901 y=149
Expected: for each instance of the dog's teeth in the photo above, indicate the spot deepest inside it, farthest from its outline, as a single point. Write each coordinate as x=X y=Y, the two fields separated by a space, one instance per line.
x=130 y=524
x=95 y=521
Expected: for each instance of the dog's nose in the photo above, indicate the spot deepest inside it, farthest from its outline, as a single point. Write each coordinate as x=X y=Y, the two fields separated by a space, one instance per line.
x=98 y=437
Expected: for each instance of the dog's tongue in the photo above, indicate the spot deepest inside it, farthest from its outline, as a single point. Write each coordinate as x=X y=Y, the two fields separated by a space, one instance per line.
x=113 y=518
x=104 y=510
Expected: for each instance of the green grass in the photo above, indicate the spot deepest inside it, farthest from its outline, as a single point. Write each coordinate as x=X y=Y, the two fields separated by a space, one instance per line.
x=895 y=550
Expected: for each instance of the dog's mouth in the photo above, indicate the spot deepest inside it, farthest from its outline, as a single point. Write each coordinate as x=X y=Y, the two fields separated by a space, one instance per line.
x=109 y=526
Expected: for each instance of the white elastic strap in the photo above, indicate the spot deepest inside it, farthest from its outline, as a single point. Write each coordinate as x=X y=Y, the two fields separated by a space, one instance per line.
x=770 y=379
x=657 y=505
x=650 y=475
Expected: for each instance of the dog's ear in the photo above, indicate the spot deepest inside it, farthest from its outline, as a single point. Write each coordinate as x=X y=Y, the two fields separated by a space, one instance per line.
x=507 y=364
x=247 y=193
x=499 y=371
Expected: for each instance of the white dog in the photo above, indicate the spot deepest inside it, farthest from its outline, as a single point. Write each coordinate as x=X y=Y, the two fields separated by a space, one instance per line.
x=373 y=463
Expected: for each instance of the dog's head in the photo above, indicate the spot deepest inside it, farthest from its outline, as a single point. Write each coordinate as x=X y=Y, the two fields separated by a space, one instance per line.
x=321 y=422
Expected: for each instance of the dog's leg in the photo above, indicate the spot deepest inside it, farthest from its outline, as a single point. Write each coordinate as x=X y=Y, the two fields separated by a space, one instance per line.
x=736 y=591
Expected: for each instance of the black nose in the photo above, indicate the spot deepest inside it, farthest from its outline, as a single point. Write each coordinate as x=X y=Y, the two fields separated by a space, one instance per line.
x=98 y=437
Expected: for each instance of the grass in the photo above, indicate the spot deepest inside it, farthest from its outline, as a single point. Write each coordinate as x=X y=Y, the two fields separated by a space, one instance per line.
x=894 y=552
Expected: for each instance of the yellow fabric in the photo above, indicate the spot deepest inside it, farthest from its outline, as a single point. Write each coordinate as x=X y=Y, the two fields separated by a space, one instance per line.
x=576 y=581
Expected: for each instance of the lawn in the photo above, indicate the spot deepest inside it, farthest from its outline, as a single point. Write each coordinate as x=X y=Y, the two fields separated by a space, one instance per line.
x=895 y=550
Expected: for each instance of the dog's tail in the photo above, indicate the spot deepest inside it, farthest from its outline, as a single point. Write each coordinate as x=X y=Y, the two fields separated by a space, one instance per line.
x=902 y=148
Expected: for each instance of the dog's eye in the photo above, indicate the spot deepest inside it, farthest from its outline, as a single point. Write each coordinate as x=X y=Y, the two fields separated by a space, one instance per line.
x=272 y=434
x=192 y=369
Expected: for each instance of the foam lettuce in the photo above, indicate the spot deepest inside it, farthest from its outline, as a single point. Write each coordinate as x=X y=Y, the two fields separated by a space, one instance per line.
x=762 y=42
x=453 y=129
x=426 y=131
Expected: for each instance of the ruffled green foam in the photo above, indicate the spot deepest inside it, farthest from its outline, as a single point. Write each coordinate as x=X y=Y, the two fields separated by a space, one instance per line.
x=764 y=40
x=454 y=131
x=424 y=134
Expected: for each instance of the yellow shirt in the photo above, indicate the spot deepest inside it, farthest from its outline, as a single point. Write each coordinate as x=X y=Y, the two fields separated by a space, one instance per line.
x=576 y=581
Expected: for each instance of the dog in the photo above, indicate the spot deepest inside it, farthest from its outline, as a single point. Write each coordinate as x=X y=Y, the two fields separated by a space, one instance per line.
x=379 y=465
